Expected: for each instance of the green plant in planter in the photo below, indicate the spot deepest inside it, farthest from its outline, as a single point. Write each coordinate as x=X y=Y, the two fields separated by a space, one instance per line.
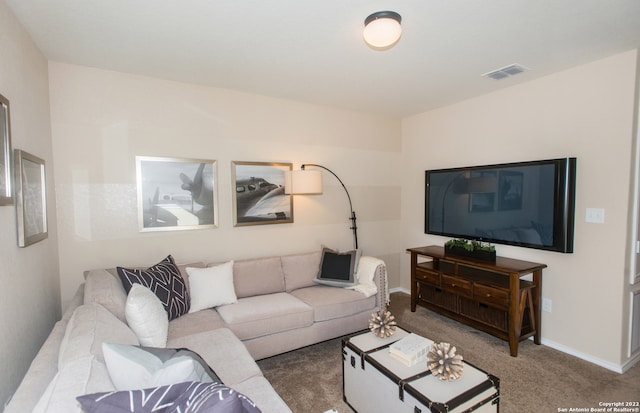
x=473 y=249
x=470 y=246
x=459 y=242
x=482 y=246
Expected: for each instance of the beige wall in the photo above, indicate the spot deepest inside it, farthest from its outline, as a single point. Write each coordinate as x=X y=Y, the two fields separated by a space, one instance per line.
x=586 y=112
x=30 y=293
x=101 y=120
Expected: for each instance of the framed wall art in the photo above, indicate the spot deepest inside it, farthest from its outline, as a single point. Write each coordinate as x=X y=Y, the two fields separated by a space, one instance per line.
x=176 y=194
x=259 y=196
x=6 y=189
x=31 y=198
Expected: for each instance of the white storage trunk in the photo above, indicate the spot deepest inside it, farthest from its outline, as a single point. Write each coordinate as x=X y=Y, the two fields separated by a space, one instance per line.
x=374 y=382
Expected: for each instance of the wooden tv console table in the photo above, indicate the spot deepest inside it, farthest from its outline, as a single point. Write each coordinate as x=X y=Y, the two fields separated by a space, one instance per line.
x=487 y=295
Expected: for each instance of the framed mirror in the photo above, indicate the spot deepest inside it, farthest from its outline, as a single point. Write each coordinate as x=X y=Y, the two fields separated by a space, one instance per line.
x=31 y=198
x=6 y=189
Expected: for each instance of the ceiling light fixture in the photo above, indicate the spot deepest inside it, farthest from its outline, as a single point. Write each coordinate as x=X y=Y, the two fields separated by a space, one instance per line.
x=382 y=29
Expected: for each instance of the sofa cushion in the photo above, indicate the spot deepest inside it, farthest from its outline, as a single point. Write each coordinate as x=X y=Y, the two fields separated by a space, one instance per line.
x=262 y=315
x=193 y=323
x=211 y=286
x=105 y=288
x=193 y=397
x=78 y=377
x=258 y=276
x=146 y=316
x=165 y=280
x=223 y=351
x=263 y=394
x=300 y=270
x=330 y=302
x=89 y=326
x=134 y=367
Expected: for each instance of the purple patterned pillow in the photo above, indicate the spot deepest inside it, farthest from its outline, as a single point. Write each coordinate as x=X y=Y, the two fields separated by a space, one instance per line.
x=165 y=281
x=195 y=396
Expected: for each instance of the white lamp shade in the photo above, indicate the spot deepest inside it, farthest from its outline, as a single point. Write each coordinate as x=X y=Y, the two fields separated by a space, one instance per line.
x=303 y=182
x=382 y=32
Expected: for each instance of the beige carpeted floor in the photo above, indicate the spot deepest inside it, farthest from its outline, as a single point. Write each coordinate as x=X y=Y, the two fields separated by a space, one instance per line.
x=540 y=379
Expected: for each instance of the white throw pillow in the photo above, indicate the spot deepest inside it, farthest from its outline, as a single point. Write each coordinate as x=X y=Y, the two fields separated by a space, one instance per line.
x=146 y=316
x=211 y=286
x=132 y=367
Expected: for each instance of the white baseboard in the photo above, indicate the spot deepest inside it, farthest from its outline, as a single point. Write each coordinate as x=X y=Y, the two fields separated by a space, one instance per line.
x=630 y=363
x=618 y=368
x=587 y=357
x=400 y=290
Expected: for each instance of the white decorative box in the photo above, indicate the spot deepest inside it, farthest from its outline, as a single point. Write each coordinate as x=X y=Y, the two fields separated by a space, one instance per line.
x=375 y=382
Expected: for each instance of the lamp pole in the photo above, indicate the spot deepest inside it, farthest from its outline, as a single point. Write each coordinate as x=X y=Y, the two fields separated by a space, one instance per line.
x=354 y=227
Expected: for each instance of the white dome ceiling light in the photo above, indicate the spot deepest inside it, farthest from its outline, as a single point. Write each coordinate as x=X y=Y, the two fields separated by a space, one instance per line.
x=382 y=29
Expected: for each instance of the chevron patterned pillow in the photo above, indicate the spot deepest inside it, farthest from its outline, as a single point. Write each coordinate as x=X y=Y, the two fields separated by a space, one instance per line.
x=165 y=281
x=195 y=397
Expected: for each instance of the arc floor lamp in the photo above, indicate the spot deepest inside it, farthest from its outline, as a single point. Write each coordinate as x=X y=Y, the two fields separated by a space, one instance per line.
x=309 y=182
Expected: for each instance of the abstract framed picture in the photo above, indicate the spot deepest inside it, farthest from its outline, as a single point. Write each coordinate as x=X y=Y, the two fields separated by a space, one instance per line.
x=6 y=189
x=258 y=195
x=31 y=198
x=176 y=193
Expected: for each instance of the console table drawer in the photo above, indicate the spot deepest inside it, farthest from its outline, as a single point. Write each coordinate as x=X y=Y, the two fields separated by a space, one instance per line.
x=485 y=314
x=457 y=286
x=429 y=277
x=491 y=295
x=438 y=297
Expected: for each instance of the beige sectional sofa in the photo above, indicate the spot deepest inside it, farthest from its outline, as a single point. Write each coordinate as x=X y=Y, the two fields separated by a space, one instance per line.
x=279 y=308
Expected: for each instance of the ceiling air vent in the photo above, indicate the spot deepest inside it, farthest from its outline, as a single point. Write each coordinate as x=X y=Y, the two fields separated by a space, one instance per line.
x=506 y=71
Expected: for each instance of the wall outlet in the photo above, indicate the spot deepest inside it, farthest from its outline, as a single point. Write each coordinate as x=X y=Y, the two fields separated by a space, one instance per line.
x=546 y=305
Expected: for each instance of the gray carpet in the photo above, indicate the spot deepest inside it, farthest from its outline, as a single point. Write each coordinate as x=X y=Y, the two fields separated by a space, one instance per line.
x=540 y=379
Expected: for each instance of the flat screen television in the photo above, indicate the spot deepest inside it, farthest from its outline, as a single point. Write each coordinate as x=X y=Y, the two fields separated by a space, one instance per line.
x=528 y=204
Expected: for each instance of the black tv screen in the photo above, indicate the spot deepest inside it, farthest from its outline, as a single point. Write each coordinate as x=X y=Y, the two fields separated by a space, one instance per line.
x=528 y=204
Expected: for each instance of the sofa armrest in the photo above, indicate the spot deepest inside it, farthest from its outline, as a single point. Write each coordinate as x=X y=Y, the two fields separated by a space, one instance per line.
x=44 y=366
x=381 y=281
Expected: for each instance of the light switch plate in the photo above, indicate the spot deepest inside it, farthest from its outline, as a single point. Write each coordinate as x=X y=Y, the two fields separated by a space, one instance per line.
x=595 y=215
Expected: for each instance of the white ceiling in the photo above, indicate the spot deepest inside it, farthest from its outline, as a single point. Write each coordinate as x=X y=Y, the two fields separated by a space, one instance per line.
x=313 y=51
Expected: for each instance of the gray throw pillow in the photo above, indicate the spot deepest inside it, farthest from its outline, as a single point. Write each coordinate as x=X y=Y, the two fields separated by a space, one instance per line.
x=175 y=398
x=337 y=269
